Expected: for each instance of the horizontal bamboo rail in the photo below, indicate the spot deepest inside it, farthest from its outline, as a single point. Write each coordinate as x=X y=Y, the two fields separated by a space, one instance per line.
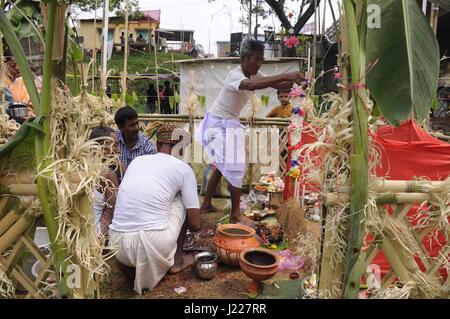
x=25 y=177
x=440 y=136
x=332 y=199
x=392 y=186
x=186 y=118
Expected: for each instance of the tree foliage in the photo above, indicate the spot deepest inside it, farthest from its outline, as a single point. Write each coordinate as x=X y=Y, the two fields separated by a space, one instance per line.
x=87 y=5
x=280 y=9
x=264 y=8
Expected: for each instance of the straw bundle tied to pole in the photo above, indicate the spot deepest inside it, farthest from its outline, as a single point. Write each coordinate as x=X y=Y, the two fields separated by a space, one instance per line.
x=73 y=155
x=331 y=167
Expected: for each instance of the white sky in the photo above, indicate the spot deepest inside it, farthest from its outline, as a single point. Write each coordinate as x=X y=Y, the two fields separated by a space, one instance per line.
x=213 y=22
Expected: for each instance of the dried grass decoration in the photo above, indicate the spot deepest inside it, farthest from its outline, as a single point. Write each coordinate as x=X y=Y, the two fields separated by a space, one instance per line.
x=8 y=128
x=330 y=169
x=77 y=164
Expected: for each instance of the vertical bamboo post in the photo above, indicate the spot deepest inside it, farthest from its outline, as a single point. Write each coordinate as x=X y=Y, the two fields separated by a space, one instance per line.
x=94 y=61
x=314 y=54
x=46 y=189
x=2 y=70
x=358 y=159
x=125 y=55
x=434 y=17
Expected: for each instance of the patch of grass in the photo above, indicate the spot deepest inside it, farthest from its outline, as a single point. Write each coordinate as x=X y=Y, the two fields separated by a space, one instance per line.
x=137 y=63
x=145 y=62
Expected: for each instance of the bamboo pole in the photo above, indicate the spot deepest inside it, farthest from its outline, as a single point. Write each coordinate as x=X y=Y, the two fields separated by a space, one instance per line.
x=358 y=159
x=47 y=190
x=185 y=118
x=14 y=232
x=94 y=60
x=83 y=211
x=27 y=177
x=395 y=261
x=8 y=221
x=393 y=186
x=125 y=55
x=332 y=199
x=330 y=277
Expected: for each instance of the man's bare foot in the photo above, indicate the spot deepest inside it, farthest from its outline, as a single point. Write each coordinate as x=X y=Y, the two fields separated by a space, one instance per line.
x=185 y=263
x=208 y=209
x=241 y=219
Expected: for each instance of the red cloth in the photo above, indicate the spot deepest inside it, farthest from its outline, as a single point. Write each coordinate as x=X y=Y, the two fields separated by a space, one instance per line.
x=306 y=139
x=407 y=152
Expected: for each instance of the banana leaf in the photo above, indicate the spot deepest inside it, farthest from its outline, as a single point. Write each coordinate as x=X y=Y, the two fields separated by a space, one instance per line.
x=22 y=63
x=405 y=79
x=19 y=152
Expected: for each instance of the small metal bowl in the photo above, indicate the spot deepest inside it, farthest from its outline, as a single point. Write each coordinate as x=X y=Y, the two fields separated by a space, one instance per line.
x=206 y=267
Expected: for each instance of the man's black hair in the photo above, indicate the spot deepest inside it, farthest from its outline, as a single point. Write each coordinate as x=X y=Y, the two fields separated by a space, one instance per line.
x=283 y=91
x=100 y=131
x=166 y=83
x=124 y=114
x=8 y=54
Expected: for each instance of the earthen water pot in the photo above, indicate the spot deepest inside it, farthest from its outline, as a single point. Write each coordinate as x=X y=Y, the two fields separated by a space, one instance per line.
x=259 y=265
x=231 y=239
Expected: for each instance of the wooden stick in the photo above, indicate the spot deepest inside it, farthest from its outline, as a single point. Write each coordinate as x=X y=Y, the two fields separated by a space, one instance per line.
x=332 y=199
x=14 y=232
x=8 y=221
x=385 y=186
x=29 y=178
x=303 y=196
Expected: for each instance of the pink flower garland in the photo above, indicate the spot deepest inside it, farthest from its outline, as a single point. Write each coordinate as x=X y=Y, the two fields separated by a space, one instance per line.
x=296 y=91
x=291 y=42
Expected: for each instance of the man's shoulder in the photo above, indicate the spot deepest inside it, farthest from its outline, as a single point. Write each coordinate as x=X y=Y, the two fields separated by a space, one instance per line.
x=145 y=138
x=147 y=144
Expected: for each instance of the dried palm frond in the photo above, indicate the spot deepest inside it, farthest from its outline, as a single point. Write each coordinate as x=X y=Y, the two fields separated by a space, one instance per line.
x=76 y=170
x=7 y=288
x=8 y=127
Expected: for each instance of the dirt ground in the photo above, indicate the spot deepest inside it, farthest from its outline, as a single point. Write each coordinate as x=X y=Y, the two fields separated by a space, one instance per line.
x=229 y=283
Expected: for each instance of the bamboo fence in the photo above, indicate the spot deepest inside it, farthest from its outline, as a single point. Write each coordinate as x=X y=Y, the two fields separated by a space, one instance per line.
x=402 y=244
x=253 y=171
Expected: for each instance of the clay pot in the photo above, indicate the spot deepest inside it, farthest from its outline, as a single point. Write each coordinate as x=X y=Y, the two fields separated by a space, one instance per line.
x=231 y=239
x=259 y=265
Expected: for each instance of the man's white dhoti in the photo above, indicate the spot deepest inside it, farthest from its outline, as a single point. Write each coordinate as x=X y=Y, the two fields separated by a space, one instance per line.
x=224 y=142
x=151 y=252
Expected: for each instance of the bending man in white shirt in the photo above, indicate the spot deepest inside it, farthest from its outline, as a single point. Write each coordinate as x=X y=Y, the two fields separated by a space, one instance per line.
x=156 y=203
x=221 y=127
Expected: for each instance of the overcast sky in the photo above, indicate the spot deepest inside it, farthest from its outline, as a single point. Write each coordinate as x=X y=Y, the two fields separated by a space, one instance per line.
x=213 y=22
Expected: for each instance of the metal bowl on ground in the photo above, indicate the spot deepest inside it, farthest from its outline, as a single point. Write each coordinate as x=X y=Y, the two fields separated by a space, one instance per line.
x=206 y=267
x=18 y=112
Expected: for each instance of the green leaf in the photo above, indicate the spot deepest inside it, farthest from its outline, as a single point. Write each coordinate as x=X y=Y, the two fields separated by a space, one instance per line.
x=171 y=100
x=14 y=16
x=22 y=63
x=27 y=30
x=75 y=51
x=435 y=105
x=19 y=153
x=405 y=78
